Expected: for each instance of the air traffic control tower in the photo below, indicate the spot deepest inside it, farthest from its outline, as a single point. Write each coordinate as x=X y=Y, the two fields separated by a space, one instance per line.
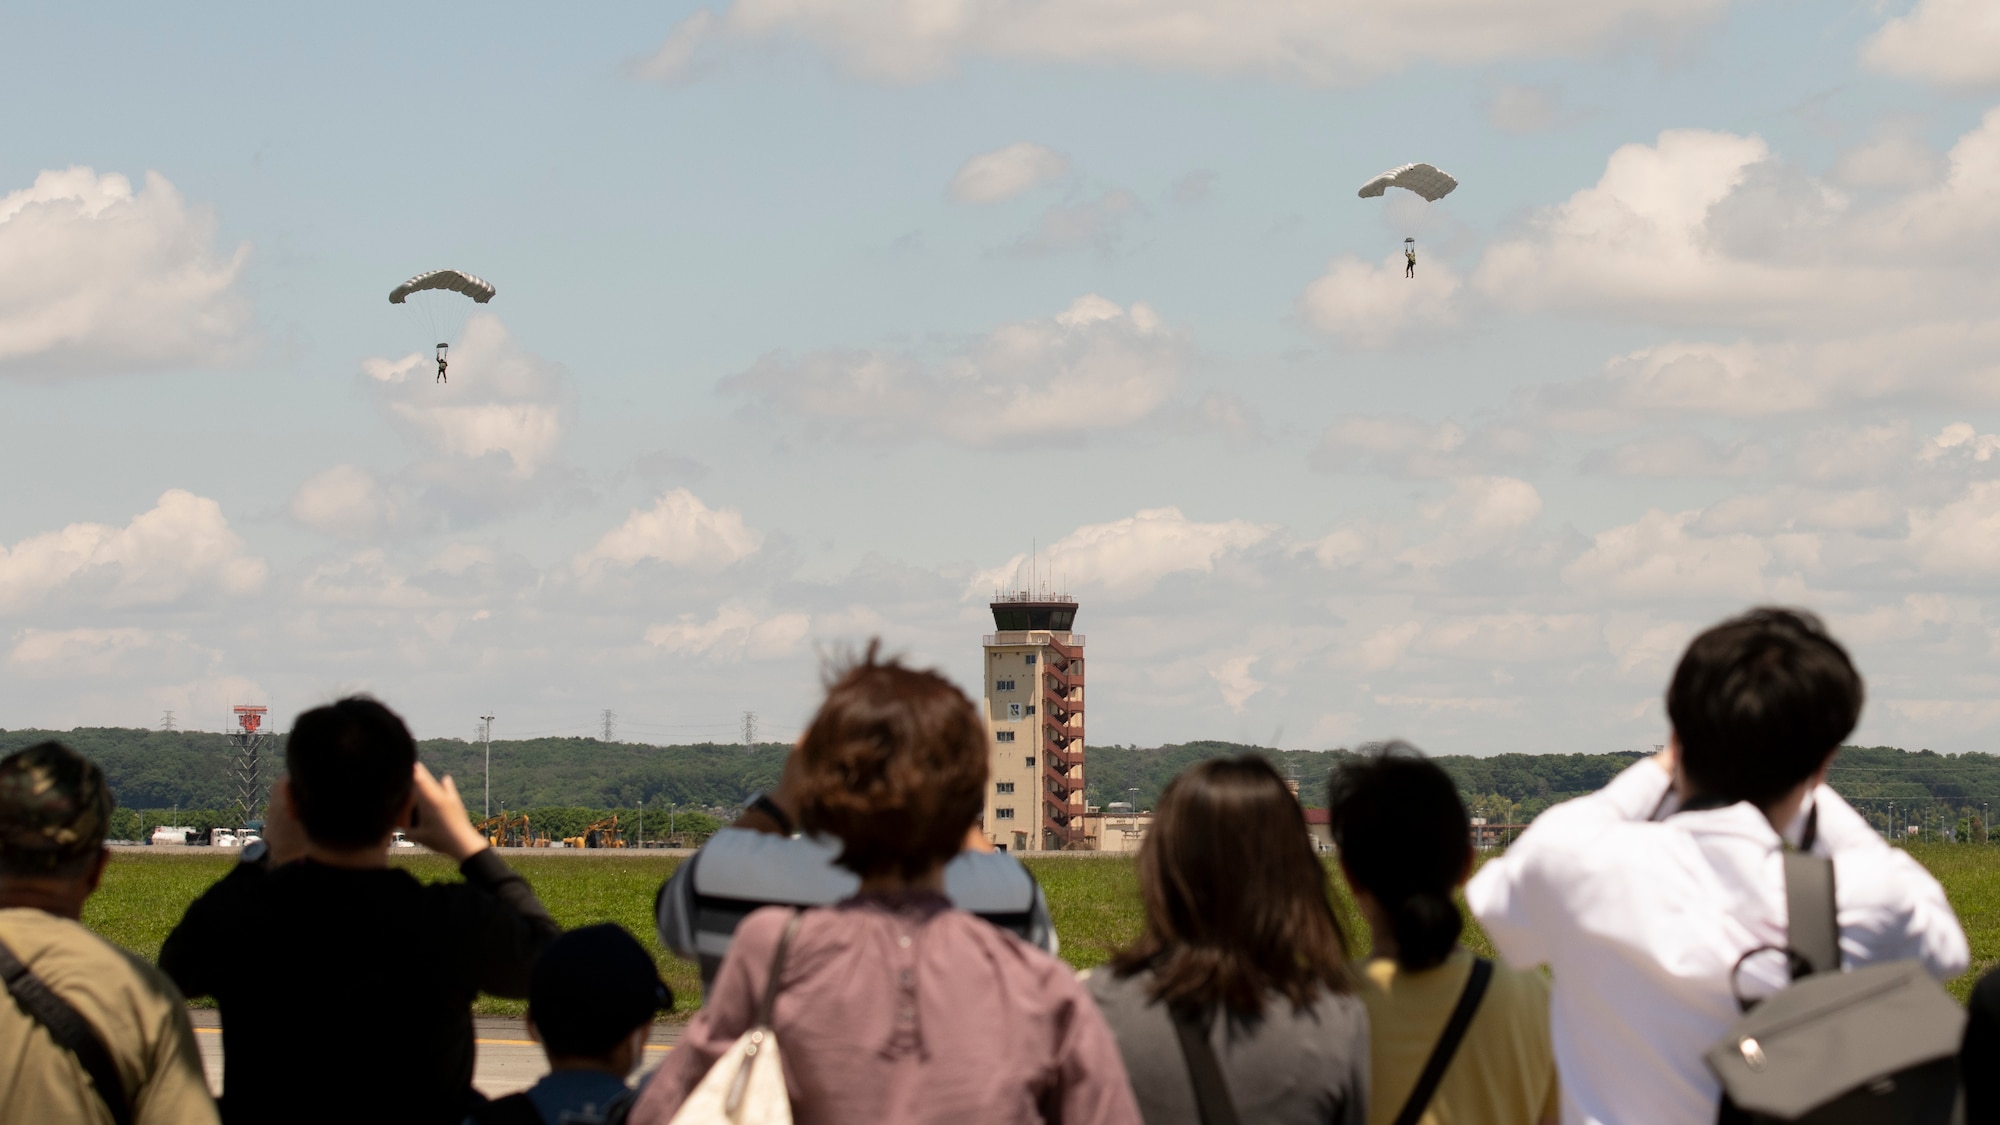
x=1034 y=714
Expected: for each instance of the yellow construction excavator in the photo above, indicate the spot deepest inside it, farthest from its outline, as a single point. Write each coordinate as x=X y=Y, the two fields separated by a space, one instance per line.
x=602 y=834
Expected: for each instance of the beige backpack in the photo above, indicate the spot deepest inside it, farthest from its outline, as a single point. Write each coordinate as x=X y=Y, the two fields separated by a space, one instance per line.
x=746 y=1086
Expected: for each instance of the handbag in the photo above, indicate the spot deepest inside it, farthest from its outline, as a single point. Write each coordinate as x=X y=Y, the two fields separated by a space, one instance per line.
x=1879 y=1044
x=746 y=1086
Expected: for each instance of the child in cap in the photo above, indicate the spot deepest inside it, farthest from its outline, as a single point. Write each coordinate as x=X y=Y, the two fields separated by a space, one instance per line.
x=591 y=1003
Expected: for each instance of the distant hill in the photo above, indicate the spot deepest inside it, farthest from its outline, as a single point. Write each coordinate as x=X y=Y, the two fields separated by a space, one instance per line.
x=159 y=770
x=151 y=769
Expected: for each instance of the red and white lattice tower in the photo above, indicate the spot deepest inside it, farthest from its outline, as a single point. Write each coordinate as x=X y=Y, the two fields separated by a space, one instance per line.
x=249 y=736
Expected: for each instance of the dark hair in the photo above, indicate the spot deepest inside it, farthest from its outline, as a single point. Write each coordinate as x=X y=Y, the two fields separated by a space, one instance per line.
x=1236 y=904
x=55 y=810
x=1404 y=838
x=893 y=766
x=1759 y=703
x=591 y=988
x=351 y=765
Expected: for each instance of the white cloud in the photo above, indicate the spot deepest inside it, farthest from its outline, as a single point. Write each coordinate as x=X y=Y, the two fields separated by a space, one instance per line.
x=1093 y=224
x=680 y=530
x=181 y=545
x=95 y=653
x=345 y=500
x=1004 y=173
x=1894 y=158
x=1644 y=241
x=1481 y=516
x=1410 y=447
x=1960 y=538
x=1953 y=43
x=1233 y=677
x=1509 y=638
x=1131 y=555
x=735 y=633
x=1867 y=511
x=1336 y=42
x=1093 y=367
x=1679 y=454
x=1662 y=556
x=102 y=279
x=1960 y=439
x=1375 y=305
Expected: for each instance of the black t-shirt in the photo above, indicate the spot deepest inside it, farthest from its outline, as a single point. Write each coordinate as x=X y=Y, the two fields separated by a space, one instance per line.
x=1979 y=1062
x=346 y=994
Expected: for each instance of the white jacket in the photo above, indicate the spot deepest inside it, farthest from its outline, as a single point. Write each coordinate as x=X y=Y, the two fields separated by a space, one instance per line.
x=1641 y=922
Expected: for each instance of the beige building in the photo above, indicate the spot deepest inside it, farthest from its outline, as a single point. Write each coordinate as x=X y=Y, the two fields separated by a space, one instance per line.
x=1115 y=830
x=1034 y=717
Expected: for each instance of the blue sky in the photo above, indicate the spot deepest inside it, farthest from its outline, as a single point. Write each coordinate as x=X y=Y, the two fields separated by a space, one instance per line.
x=814 y=316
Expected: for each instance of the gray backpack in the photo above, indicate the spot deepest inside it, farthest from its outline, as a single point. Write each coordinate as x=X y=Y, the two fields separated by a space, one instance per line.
x=1879 y=1044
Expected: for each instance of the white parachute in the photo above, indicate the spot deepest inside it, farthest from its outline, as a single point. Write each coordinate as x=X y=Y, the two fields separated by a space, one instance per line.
x=455 y=281
x=1424 y=179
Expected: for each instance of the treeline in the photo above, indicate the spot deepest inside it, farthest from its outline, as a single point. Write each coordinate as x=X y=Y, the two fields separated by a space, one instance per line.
x=1954 y=790
x=155 y=770
x=1501 y=788
x=159 y=770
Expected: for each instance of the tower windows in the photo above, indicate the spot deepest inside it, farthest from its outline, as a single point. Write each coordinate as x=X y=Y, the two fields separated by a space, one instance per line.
x=1006 y=736
x=1003 y=814
x=1003 y=787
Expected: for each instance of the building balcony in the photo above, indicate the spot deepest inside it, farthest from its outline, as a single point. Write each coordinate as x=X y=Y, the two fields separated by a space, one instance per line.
x=1061 y=642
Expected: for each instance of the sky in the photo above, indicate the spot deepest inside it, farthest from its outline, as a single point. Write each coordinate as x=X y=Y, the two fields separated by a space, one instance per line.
x=822 y=320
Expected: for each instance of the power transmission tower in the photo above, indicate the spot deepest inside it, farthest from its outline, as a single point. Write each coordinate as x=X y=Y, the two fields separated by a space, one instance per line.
x=610 y=725
x=167 y=721
x=749 y=730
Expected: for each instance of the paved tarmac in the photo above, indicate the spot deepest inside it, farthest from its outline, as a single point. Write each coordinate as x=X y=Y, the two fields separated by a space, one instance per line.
x=507 y=1060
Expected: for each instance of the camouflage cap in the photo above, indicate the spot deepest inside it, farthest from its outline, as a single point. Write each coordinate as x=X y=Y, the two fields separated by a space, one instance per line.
x=54 y=808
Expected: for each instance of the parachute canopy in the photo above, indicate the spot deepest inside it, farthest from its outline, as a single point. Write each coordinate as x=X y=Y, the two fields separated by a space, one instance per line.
x=450 y=280
x=1424 y=179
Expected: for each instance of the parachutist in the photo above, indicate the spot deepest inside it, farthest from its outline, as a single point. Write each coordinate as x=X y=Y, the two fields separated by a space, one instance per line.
x=1409 y=262
x=441 y=366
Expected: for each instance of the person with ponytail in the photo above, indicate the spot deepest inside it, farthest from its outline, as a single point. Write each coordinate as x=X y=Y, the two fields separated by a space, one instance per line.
x=1236 y=1003
x=1405 y=845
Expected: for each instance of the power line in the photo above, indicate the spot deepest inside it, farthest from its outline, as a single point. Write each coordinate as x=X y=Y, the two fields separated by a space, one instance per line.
x=749 y=730
x=610 y=725
x=167 y=721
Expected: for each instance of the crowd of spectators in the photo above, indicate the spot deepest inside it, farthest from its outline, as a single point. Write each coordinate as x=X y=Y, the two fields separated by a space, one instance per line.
x=867 y=958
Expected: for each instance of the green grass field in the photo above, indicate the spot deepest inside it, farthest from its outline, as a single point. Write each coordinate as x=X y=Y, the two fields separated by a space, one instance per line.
x=1095 y=903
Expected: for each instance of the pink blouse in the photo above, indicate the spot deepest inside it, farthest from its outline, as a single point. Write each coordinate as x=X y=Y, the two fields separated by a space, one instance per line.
x=903 y=1010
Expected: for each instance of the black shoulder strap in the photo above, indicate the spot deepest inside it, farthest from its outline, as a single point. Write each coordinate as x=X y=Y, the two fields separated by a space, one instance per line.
x=1447 y=1044
x=1211 y=1091
x=1812 y=925
x=69 y=1029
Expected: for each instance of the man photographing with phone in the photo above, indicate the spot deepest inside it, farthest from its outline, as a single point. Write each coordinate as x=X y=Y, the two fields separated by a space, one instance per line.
x=345 y=985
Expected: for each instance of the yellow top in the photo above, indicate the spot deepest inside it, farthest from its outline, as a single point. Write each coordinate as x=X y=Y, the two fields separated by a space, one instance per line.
x=136 y=1012
x=1504 y=1072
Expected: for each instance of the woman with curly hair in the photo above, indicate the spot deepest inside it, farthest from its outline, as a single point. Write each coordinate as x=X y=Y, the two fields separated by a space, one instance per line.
x=893 y=1006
